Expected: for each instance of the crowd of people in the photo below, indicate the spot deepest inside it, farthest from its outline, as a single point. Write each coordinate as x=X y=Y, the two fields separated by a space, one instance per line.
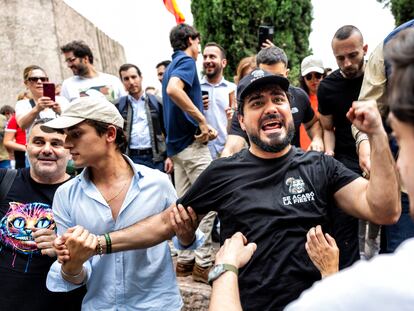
x=299 y=182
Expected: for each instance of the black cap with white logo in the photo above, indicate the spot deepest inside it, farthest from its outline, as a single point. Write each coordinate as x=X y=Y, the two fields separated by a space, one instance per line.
x=255 y=79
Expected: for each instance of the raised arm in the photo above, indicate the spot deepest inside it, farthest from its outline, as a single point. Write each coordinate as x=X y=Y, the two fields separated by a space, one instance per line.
x=378 y=199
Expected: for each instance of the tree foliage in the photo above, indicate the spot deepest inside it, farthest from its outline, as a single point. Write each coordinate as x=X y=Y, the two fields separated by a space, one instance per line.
x=234 y=25
x=403 y=10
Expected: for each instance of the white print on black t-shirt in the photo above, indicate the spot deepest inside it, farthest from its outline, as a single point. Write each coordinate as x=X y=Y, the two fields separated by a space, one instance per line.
x=297 y=189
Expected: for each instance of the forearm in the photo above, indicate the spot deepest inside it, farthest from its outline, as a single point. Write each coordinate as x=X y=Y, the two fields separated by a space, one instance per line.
x=383 y=194
x=233 y=145
x=12 y=145
x=144 y=234
x=181 y=99
x=27 y=120
x=225 y=293
x=329 y=140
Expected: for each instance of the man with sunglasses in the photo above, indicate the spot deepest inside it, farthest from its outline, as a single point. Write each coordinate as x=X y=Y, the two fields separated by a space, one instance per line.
x=87 y=81
x=335 y=96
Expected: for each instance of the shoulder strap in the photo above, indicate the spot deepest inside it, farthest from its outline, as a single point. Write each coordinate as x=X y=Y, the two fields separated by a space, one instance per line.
x=122 y=103
x=32 y=102
x=6 y=183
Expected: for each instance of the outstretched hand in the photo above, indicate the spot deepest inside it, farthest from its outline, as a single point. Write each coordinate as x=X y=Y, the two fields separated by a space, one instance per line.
x=322 y=250
x=236 y=251
x=184 y=223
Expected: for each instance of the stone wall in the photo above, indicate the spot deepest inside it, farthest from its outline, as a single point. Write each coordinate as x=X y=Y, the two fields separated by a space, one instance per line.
x=32 y=33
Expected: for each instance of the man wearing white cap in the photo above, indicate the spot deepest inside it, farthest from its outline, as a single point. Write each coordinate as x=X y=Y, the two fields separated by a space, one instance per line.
x=111 y=193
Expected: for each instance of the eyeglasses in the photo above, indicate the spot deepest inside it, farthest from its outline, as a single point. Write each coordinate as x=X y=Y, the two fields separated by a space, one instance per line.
x=310 y=75
x=70 y=60
x=35 y=79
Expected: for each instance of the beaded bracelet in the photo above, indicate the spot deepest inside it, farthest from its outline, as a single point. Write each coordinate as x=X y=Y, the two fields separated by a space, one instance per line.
x=99 y=249
x=108 y=243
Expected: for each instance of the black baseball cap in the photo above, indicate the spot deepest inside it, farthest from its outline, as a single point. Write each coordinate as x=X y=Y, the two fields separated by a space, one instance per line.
x=257 y=78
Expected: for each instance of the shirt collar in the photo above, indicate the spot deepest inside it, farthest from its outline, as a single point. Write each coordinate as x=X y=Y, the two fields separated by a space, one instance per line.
x=133 y=100
x=223 y=82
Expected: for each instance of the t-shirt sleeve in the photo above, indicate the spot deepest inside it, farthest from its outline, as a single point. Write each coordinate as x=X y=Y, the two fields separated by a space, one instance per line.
x=185 y=70
x=337 y=174
x=202 y=195
x=308 y=114
x=235 y=128
x=63 y=102
x=22 y=107
x=323 y=105
x=11 y=125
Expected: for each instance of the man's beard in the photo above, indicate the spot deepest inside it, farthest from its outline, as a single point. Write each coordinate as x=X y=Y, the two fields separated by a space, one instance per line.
x=275 y=145
x=81 y=70
x=354 y=74
x=216 y=71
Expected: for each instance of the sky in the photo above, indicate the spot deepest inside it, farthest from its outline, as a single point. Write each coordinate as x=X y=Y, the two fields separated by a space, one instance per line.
x=143 y=26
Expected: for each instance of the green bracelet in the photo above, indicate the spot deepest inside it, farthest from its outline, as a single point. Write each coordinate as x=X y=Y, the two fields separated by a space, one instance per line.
x=108 y=243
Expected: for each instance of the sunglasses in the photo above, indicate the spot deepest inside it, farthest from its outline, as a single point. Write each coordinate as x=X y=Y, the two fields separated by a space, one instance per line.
x=35 y=79
x=317 y=75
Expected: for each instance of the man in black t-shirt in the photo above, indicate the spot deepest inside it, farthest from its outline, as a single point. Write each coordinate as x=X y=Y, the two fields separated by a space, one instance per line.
x=274 y=193
x=27 y=228
x=335 y=96
x=274 y=60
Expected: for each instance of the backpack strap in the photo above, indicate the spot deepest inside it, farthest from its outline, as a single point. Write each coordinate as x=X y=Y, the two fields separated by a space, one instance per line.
x=6 y=183
x=32 y=102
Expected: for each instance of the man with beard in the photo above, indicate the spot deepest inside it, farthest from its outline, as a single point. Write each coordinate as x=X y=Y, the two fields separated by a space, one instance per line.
x=274 y=193
x=218 y=88
x=27 y=227
x=144 y=122
x=86 y=80
x=274 y=60
x=335 y=96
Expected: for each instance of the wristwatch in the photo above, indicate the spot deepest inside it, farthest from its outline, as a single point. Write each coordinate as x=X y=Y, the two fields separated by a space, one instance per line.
x=218 y=270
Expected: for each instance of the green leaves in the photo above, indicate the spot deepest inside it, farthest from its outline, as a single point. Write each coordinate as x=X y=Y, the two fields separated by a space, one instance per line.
x=234 y=25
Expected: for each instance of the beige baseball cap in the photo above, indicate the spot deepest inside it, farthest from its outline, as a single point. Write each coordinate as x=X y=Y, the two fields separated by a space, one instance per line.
x=96 y=108
x=311 y=63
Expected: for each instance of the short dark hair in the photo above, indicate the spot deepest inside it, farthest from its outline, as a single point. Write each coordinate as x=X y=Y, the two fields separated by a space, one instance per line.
x=400 y=53
x=164 y=63
x=179 y=36
x=222 y=51
x=48 y=129
x=126 y=67
x=271 y=55
x=101 y=128
x=79 y=48
x=346 y=31
x=6 y=109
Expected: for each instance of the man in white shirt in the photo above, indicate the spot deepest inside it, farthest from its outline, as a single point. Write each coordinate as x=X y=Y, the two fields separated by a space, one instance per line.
x=219 y=91
x=87 y=81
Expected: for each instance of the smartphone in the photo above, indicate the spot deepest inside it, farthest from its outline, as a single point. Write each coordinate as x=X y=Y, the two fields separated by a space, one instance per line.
x=265 y=32
x=204 y=93
x=49 y=90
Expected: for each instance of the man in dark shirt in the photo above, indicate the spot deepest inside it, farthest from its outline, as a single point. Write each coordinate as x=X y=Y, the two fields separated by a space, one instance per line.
x=274 y=60
x=274 y=193
x=335 y=96
x=27 y=228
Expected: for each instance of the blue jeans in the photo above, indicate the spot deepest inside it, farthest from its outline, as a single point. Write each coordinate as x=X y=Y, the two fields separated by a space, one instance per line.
x=147 y=161
x=394 y=235
x=5 y=164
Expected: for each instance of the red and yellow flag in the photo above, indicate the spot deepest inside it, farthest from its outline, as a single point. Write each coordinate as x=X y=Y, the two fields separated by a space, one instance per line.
x=172 y=6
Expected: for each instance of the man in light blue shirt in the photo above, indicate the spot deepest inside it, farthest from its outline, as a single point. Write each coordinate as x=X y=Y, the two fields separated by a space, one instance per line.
x=219 y=92
x=111 y=193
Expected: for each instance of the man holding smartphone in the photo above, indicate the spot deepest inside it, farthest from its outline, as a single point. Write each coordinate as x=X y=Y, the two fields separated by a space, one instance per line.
x=217 y=89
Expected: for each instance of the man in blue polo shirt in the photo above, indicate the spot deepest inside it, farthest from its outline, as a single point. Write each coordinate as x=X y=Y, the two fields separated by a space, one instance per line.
x=187 y=135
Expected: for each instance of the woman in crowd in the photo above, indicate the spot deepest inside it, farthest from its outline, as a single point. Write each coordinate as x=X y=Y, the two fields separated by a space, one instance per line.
x=312 y=73
x=39 y=106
